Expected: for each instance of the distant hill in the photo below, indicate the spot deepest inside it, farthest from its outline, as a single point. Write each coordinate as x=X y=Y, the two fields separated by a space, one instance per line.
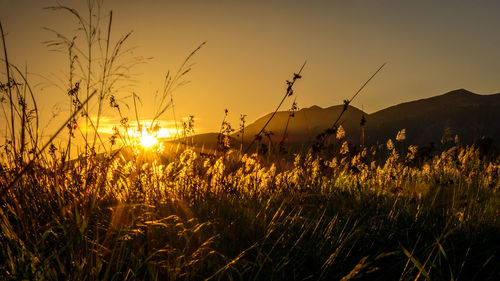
x=307 y=123
x=467 y=114
x=207 y=140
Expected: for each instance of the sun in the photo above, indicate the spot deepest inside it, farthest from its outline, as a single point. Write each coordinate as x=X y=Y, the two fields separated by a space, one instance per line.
x=147 y=140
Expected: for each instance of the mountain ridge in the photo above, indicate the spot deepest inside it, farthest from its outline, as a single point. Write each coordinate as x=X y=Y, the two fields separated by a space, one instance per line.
x=469 y=115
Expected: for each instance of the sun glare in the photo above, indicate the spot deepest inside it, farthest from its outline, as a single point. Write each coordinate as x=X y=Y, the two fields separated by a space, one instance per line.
x=147 y=140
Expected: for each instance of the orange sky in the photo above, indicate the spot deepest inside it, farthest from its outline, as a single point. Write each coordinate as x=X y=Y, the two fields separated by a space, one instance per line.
x=254 y=46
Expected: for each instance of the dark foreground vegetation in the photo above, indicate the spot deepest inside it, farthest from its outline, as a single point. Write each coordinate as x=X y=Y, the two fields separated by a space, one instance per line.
x=234 y=218
x=113 y=210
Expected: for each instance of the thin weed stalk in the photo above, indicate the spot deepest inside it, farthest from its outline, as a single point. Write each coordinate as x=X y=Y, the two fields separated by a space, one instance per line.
x=49 y=142
x=291 y=114
x=322 y=137
x=9 y=91
x=289 y=92
x=103 y=79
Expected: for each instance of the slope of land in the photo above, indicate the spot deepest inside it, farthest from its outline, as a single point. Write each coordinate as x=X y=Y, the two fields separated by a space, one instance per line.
x=469 y=115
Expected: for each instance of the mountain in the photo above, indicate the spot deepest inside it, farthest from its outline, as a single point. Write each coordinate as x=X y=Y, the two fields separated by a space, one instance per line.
x=462 y=112
x=470 y=116
x=307 y=123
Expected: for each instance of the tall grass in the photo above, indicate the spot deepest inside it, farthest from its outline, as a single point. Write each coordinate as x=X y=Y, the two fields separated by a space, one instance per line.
x=192 y=217
x=370 y=213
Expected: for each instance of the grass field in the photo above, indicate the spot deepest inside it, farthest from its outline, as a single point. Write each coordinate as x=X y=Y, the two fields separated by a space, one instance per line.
x=240 y=218
x=115 y=210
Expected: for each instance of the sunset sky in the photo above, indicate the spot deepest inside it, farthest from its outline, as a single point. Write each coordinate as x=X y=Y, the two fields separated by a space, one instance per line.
x=430 y=47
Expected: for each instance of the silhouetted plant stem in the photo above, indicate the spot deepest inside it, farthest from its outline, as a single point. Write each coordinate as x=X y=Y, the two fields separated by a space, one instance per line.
x=103 y=81
x=33 y=133
x=285 y=132
x=242 y=130
x=9 y=90
x=71 y=93
x=170 y=84
x=25 y=168
x=321 y=138
x=89 y=71
x=139 y=127
x=22 y=103
x=223 y=140
x=362 y=123
x=289 y=92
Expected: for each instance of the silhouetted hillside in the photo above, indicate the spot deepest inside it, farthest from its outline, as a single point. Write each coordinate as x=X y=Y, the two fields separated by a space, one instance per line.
x=307 y=123
x=469 y=115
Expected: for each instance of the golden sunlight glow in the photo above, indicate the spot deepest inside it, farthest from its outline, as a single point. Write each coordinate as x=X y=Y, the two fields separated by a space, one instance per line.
x=162 y=133
x=148 y=136
x=147 y=140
